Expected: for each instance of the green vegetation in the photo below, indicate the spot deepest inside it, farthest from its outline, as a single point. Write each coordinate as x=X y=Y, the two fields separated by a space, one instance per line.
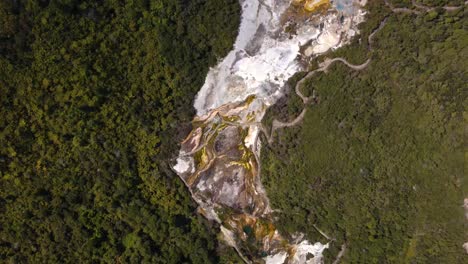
x=95 y=96
x=378 y=162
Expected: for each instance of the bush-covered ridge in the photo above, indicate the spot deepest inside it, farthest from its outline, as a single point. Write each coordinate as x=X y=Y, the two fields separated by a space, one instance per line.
x=93 y=97
x=378 y=163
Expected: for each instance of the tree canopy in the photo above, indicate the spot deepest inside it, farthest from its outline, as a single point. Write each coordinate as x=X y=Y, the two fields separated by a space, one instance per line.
x=95 y=96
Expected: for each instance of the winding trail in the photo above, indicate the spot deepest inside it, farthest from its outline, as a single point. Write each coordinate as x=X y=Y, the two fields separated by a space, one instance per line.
x=370 y=39
x=402 y=9
x=422 y=8
x=323 y=67
x=246 y=159
x=340 y=254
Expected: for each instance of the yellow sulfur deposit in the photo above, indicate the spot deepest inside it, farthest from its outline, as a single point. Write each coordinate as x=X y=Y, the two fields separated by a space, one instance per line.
x=312 y=5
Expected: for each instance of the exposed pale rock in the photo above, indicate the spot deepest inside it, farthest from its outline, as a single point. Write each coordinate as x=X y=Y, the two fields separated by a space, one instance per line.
x=278 y=258
x=222 y=170
x=265 y=72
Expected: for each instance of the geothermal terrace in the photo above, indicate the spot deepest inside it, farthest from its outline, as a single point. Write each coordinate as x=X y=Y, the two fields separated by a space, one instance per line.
x=219 y=159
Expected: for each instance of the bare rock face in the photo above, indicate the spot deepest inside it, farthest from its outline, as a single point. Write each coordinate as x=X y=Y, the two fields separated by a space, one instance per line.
x=218 y=160
x=223 y=184
x=227 y=139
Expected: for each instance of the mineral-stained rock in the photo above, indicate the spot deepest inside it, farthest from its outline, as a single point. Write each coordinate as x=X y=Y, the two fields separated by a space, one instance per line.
x=218 y=160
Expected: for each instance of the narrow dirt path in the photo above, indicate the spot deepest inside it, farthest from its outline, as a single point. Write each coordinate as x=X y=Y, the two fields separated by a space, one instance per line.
x=323 y=67
x=340 y=254
x=370 y=39
x=401 y=9
x=422 y=8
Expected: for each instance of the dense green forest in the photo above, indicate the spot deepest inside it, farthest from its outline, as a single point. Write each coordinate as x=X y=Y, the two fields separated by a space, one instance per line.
x=95 y=96
x=378 y=162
